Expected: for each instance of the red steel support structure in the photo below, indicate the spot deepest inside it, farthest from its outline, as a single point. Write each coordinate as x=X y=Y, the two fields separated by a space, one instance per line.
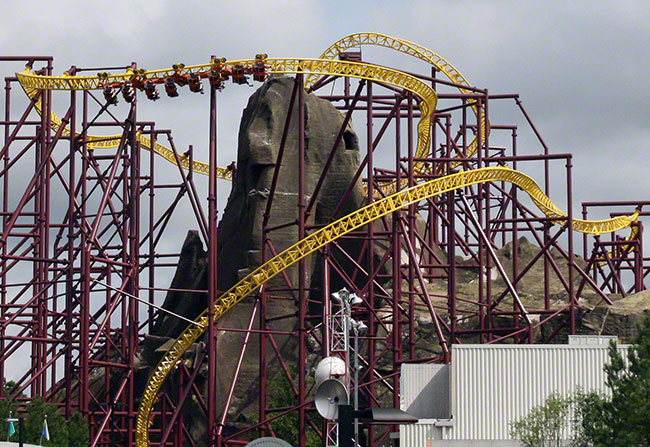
x=82 y=259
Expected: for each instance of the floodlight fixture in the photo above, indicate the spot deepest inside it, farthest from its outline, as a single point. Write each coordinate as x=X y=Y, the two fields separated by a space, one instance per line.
x=359 y=327
x=341 y=296
x=354 y=299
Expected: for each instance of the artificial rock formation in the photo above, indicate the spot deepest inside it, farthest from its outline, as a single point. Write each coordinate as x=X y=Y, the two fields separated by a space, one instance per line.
x=240 y=229
x=240 y=232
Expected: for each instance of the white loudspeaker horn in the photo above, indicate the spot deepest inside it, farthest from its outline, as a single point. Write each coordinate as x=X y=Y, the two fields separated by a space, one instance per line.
x=329 y=395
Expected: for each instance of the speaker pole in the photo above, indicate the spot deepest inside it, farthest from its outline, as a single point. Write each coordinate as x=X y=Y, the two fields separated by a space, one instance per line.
x=346 y=426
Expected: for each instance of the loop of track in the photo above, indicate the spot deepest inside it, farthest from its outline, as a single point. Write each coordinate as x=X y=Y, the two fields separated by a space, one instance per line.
x=415 y=50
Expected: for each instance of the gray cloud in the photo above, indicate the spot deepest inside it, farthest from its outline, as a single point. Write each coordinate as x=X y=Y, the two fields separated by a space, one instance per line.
x=580 y=67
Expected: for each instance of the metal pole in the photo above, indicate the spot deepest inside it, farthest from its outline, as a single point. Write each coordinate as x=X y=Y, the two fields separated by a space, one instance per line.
x=21 y=431
x=212 y=283
x=345 y=426
x=302 y=268
x=356 y=383
x=69 y=288
x=493 y=254
x=371 y=243
x=571 y=263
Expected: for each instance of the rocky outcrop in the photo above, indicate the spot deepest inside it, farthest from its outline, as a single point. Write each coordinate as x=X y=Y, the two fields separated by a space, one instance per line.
x=190 y=275
x=260 y=134
x=621 y=318
x=595 y=316
x=240 y=231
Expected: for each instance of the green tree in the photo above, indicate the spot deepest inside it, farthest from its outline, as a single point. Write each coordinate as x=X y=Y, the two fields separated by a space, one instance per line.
x=620 y=418
x=7 y=407
x=78 y=433
x=57 y=426
x=280 y=394
x=71 y=433
x=624 y=418
x=545 y=425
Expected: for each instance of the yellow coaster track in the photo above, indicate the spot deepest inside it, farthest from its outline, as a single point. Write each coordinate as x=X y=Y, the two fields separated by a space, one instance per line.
x=415 y=50
x=108 y=141
x=353 y=40
x=324 y=236
x=32 y=83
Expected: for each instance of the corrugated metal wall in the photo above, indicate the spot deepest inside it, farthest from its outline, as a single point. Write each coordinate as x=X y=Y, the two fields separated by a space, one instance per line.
x=415 y=435
x=424 y=390
x=492 y=385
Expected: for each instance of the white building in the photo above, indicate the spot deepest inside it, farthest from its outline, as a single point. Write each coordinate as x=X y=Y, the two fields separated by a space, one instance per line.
x=473 y=400
x=15 y=444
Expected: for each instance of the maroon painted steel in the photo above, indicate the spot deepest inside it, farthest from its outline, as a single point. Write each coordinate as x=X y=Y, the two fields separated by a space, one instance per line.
x=84 y=234
x=212 y=280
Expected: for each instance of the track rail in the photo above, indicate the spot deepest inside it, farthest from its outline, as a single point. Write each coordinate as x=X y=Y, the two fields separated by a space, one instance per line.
x=316 y=67
x=109 y=141
x=415 y=50
x=32 y=83
x=324 y=236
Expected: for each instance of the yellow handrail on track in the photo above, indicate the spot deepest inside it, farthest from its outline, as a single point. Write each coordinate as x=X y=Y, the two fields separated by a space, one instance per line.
x=324 y=236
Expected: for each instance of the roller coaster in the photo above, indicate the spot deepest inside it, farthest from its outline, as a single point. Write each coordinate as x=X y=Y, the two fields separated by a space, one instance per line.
x=86 y=224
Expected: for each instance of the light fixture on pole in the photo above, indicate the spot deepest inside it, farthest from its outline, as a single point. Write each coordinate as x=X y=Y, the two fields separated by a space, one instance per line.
x=354 y=299
x=341 y=296
x=332 y=387
x=333 y=373
x=21 y=432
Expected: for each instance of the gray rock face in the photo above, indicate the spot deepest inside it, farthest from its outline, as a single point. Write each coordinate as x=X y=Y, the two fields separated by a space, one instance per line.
x=260 y=134
x=240 y=230
x=240 y=233
x=190 y=274
x=621 y=319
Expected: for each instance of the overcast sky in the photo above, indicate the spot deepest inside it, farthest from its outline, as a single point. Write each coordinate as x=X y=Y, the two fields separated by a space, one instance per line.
x=580 y=67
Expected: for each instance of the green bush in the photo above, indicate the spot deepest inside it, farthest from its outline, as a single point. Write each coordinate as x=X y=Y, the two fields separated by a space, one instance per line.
x=623 y=419
x=71 y=433
x=544 y=426
x=280 y=394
